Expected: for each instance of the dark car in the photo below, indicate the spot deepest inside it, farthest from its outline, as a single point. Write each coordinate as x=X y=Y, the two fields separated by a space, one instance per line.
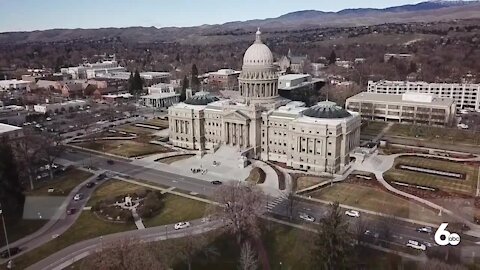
x=110 y=162
x=216 y=182
x=13 y=251
x=90 y=185
x=101 y=177
x=71 y=211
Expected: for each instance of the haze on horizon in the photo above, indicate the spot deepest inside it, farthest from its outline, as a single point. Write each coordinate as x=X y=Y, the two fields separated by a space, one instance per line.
x=30 y=15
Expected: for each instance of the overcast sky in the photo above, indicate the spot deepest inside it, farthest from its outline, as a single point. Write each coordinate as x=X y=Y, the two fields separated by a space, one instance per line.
x=27 y=15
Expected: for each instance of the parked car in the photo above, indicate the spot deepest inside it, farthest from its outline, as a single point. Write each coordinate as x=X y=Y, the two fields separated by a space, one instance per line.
x=307 y=217
x=101 y=176
x=13 y=251
x=182 y=225
x=352 y=213
x=416 y=245
x=71 y=211
x=90 y=185
x=78 y=197
x=110 y=162
x=425 y=230
x=216 y=182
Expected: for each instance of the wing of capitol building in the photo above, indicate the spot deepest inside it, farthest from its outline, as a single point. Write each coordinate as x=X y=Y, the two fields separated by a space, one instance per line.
x=263 y=125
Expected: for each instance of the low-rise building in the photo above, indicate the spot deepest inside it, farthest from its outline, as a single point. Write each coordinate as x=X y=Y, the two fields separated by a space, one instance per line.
x=466 y=96
x=223 y=79
x=9 y=85
x=150 y=77
x=399 y=56
x=117 y=98
x=161 y=95
x=412 y=108
x=291 y=62
x=299 y=86
x=73 y=89
x=68 y=106
x=13 y=115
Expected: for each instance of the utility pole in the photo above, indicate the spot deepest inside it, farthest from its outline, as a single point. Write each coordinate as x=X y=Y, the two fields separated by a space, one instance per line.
x=5 y=231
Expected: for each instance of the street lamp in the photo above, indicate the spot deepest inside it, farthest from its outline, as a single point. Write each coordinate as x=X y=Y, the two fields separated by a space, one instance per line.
x=5 y=231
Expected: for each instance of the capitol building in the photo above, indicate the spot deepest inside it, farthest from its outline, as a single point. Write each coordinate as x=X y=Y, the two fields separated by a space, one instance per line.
x=263 y=125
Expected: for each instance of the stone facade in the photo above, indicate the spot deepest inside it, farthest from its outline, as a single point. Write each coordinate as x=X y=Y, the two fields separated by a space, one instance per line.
x=264 y=125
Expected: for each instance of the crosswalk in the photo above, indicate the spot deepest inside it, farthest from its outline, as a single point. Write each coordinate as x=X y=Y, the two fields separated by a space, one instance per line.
x=271 y=204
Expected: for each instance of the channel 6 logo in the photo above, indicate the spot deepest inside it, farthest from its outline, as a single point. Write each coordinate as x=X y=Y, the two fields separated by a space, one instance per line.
x=444 y=237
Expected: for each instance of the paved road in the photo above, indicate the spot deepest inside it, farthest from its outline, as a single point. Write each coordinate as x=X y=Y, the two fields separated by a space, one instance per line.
x=402 y=231
x=59 y=224
x=80 y=250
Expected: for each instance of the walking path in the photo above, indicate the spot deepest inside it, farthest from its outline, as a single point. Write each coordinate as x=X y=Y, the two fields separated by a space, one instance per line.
x=383 y=132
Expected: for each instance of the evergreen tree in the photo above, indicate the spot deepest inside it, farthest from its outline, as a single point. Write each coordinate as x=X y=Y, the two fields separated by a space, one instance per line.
x=135 y=83
x=332 y=59
x=195 y=82
x=183 y=94
x=11 y=191
x=333 y=244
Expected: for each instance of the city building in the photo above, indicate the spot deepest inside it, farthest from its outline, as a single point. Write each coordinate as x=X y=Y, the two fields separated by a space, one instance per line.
x=160 y=95
x=466 y=96
x=19 y=85
x=299 y=87
x=50 y=85
x=264 y=125
x=149 y=78
x=92 y=70
x=67 y=106
x=292 y=62
x=117 y=98
x=399 y=56
x=73 y=89
x=410 y=107
x=223 y=79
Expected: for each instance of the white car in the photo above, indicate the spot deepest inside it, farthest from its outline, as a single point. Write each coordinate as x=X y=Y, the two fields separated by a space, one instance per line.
x=425 y=230
x=352 y=213
x=416 y=245
x=182 y=225
x=78 y=197
x=307 y=217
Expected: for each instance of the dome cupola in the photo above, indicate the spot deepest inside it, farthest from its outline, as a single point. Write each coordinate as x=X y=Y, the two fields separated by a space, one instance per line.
x=258 y=54
x=326 y=110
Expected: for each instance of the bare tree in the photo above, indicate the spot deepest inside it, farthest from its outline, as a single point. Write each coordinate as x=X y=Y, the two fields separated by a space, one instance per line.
x=189 y=246
x=28 y=152
x=127 y=254
x=239 y=207
x=51 y=149
x=248 y=257
x=434 y=264
x=359 y=230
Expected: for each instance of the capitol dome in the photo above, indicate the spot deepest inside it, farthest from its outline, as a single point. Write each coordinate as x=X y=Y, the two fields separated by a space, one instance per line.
x=258 y=54
x=326 y=110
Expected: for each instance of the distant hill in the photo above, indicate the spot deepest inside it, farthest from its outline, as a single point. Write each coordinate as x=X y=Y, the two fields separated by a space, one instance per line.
x=421 y=12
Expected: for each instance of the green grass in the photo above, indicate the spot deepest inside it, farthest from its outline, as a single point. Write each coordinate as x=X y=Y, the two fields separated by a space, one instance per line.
x=62 y=184
x=374 y=199
x=170 y=160
x=435 y=134
x=372 y=128
x=18 y=228
x=466 y=186
x=87 y=226
x=176 y=209
x=126 y=148
x=256 y=176
x=131 y=128
x=158 y=123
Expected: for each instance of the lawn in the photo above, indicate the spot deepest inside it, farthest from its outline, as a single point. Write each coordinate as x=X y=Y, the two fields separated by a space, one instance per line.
x=158 y=123
x=305 y=181
x=126 y=148
x=131 y=128
x=176 y=209
x=62 y=184
x=466 y=186
x=18 y=228
x=374 y=199
x=435 y=134
x=170 y=160
x=256 y=176
x=372 y=128
x=88 y=226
